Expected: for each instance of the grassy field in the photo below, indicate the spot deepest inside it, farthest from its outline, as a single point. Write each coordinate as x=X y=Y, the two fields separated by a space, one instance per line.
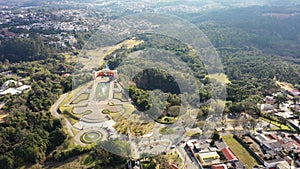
x=166 y=131
x=120 y=96
x=221 y=77
x=136 y=128
x=239 y=151
x=192 y=133
x=81 y=97
x=71 y=95
x=95 y=58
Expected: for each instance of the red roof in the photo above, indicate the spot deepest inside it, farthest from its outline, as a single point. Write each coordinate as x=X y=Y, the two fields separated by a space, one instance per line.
x=173 y=166
x=228 y=154
x=219 y=166
x=273 y=136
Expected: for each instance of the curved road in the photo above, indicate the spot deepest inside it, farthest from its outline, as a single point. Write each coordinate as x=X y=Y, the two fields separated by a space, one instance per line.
x=54 y=113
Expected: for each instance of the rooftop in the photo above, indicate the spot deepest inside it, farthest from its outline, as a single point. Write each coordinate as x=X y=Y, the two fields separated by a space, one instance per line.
x=229 y=154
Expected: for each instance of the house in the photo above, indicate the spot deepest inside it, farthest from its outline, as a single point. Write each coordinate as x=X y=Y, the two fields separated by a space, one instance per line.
x=273 y=163
x=229 y=154
x=193 y=145
x=208 y=157
x=219 y=166
x=260 y=138
x=266 y=107
x=239 y=165
x=283 y=165
x=11 y=83
x=273 y=145
x=289 y=160
x=270 y=100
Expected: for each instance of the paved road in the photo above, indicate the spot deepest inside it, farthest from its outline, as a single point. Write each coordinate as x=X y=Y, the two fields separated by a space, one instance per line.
x=188 y=162
x=54 y=113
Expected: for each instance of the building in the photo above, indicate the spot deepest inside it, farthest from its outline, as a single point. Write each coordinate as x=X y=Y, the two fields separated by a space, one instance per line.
x=13 y=87
x=134 y=164
x=273 y=163
x=270 y=100
x=106 y=73
x=208 y=157
x=11 y=91
x=273 y=145
x=229 y=154
x=219 y=166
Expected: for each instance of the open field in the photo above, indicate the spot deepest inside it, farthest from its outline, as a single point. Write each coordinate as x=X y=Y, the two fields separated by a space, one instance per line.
x=221 y=77
x=241 y=153
x=166 y=131
x=124 y=126
x=120 y=96
x=81 y=97
x=285 y=85
x=71 y=96
x=95 y=58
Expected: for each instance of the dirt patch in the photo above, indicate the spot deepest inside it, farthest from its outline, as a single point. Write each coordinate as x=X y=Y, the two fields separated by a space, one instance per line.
x=285 y=86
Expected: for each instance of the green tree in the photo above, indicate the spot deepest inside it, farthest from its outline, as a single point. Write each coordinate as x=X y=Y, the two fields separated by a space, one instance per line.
x=280 y=98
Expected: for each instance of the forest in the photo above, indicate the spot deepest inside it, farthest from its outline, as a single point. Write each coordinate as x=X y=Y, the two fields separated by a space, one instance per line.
x=30 y=133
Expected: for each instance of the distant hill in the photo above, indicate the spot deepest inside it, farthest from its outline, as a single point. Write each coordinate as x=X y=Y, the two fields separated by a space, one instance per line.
x=26 y=3
x=188 y=6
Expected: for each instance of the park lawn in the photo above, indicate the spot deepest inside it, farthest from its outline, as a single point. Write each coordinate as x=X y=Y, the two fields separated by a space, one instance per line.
x=241 y=153
x=123 y=126
x=120 y=96
x=221 y=77
x=67 y=111
x=99 y=54
x=166 y=131
x=128 y=110
x=283 y=127
x=81 y=97
x=192 y=133
x=166 y=120
x=74 y=92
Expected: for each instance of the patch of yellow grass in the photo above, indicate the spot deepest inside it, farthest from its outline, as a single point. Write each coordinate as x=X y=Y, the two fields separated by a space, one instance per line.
x=81 y=97
x=68 y=57
x=95 y=58
x=220 y=77
x=285 y=85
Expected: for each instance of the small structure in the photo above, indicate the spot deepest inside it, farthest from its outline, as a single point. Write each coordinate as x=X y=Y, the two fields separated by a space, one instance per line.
x=106 y=72
x=219 y=166
x=13 y=87
x=229 y=154
x=270 y=100
x=273 y=145
x=208 y=157
x=273 y=163
x=134 y=164
x=11 y=91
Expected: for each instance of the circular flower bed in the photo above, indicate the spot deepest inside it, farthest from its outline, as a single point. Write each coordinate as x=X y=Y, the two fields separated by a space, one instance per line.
x=91 y=137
